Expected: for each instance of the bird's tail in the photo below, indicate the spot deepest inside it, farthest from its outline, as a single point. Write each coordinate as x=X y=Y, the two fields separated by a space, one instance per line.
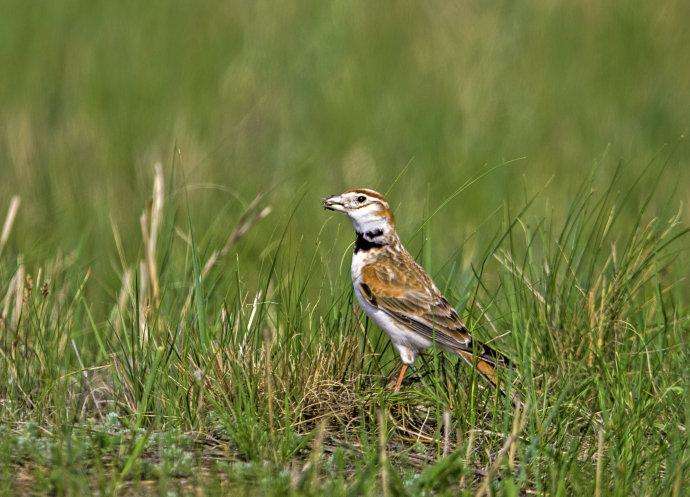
x=486 y=360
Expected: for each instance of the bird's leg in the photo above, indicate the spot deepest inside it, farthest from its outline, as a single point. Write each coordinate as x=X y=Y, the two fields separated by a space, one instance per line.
x=401 y=376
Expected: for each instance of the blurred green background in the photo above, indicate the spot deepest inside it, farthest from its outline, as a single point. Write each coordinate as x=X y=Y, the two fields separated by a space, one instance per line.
x=311 y=97
x=301 y=99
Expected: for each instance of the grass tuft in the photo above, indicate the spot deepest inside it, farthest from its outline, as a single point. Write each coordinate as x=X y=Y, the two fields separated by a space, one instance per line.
x=283 y=369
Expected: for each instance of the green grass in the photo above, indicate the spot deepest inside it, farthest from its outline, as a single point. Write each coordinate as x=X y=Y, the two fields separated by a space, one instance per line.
x=534 y=157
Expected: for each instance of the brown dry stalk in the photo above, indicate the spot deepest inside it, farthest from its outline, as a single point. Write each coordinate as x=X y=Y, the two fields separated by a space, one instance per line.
x=383 y=455
x=143 y=290
x=18 y=297
x=156 y=219
x=7 y=301
x=150 y=230
x=125 y=293
x=9 y=221
x=446 y=433
x=511 y=454
x=600 y=462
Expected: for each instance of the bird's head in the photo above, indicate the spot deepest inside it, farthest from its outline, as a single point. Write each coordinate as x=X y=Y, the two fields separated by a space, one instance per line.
x=367 y=209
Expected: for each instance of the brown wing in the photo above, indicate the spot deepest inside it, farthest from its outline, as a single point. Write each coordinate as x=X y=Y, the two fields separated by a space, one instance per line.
x=397 y=285
x=404 y=291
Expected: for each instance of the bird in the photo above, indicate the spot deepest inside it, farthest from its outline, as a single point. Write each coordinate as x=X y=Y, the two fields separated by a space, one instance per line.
x=397 y=293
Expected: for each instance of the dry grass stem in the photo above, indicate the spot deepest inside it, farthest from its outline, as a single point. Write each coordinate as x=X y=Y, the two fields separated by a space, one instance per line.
x=18 y=297
x=600 y=462
x=7 y=301
x=124 y=295
x=9 y=221
x=255 y=307
x=383 y=454
x=143 y=302
x=150 y=229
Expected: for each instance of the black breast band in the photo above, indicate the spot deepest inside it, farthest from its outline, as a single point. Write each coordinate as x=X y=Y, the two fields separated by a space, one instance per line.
x=363 y=244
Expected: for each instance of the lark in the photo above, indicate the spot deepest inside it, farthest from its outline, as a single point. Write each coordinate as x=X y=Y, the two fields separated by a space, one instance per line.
x=398 y=295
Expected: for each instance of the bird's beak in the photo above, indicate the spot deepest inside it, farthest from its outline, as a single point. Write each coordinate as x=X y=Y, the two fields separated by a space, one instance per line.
x=333 y=203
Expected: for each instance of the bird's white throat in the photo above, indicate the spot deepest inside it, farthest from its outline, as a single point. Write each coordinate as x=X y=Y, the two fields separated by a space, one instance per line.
x=369 y=223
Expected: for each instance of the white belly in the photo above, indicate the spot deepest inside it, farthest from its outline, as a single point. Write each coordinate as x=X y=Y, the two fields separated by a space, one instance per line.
x=407 y=343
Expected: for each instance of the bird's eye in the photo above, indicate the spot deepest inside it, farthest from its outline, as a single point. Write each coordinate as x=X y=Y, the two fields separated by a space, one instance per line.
x=361 y=199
